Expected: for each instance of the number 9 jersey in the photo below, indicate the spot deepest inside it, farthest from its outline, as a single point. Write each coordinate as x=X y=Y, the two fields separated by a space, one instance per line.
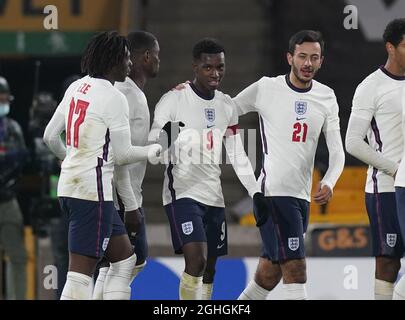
x=291 y=120
x=195 y=172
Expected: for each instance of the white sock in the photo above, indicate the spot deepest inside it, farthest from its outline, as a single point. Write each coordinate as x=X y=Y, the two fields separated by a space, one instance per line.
x=137 y=269
x=383 y=290
x=98 y=287
x=399 y=290
x=77 y=287
x=190 y=287
x=295 y=291
x=118 y=280
x=253 y=292
x=207 y=291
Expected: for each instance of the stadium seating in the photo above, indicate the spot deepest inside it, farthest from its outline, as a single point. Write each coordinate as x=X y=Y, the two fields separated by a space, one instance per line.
x=347 y=204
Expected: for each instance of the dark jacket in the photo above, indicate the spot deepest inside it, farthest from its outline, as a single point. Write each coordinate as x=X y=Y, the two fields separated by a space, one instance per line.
x=13 y=153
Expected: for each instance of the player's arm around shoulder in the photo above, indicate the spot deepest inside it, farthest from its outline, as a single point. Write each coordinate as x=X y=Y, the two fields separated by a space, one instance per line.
x=246 y=100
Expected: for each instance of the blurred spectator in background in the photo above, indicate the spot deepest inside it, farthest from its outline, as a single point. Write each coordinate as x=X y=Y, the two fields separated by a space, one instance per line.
x=13 y=153
x=48 y=219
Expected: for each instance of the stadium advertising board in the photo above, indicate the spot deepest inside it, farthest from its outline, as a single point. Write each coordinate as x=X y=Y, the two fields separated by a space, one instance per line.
x=22 y=29
x=340 y=241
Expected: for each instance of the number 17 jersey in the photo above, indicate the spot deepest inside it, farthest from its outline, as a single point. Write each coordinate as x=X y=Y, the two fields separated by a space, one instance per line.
x=291 y=120
x=93 y=109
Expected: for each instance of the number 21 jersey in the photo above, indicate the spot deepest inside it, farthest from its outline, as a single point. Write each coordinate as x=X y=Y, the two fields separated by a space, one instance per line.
x=291 y=120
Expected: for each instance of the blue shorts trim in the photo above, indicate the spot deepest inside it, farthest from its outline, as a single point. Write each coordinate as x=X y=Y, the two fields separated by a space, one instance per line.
x=283 y=233
x=384 y=224
x=192 y=221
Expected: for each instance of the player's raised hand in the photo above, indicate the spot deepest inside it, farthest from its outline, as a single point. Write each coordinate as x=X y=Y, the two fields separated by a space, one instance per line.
x=262 y=211
x=133 y=221
x=323 y=195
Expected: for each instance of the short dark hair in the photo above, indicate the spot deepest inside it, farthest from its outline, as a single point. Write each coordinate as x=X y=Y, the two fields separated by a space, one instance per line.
x=207 y=45
x=394 y=32
x=306 y=36
x=140 y=41
x=103 y=52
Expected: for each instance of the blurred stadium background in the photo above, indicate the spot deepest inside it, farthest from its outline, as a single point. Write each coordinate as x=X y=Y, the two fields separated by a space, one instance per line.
x=255 y=34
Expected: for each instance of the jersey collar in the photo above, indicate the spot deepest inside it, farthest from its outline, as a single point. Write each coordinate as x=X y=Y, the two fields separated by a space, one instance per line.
x=392 y=76
x=199 y=93
x=289 y=83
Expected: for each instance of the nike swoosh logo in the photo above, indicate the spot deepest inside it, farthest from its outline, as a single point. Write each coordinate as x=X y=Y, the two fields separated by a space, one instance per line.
x=220 y=246
x=299 y=119
x=210 y=126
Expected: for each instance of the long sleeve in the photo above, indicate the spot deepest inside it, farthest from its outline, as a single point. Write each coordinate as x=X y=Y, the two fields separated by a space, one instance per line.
x=241 y=163
x=117 y=121
x=163 y=114
x=125 y=153
x=52 y=135
x=357 y=147
x=245 y=101
x=122 y=182
x=336 y=158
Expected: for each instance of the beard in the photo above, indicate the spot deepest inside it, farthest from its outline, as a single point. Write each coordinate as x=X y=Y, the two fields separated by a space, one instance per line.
x=303 y=80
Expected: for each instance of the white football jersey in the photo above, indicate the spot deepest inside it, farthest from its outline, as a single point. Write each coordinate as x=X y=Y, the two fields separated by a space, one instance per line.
x=195 y=171
x=139 y=122
x=291 y=121
x=378 y=99
x=92 y=109
x=400 y=176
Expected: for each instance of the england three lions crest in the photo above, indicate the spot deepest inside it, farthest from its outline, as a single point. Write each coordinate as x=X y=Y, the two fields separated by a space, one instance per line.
x=391 y=239
x=187 y=227
x=300 y=107
x=293 y=243
x=210 y=114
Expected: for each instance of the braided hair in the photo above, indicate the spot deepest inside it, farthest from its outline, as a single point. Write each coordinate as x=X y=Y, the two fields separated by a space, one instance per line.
x=103 y=52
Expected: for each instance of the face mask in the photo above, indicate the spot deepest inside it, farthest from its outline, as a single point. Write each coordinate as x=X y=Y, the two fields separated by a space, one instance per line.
x=4 y=109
